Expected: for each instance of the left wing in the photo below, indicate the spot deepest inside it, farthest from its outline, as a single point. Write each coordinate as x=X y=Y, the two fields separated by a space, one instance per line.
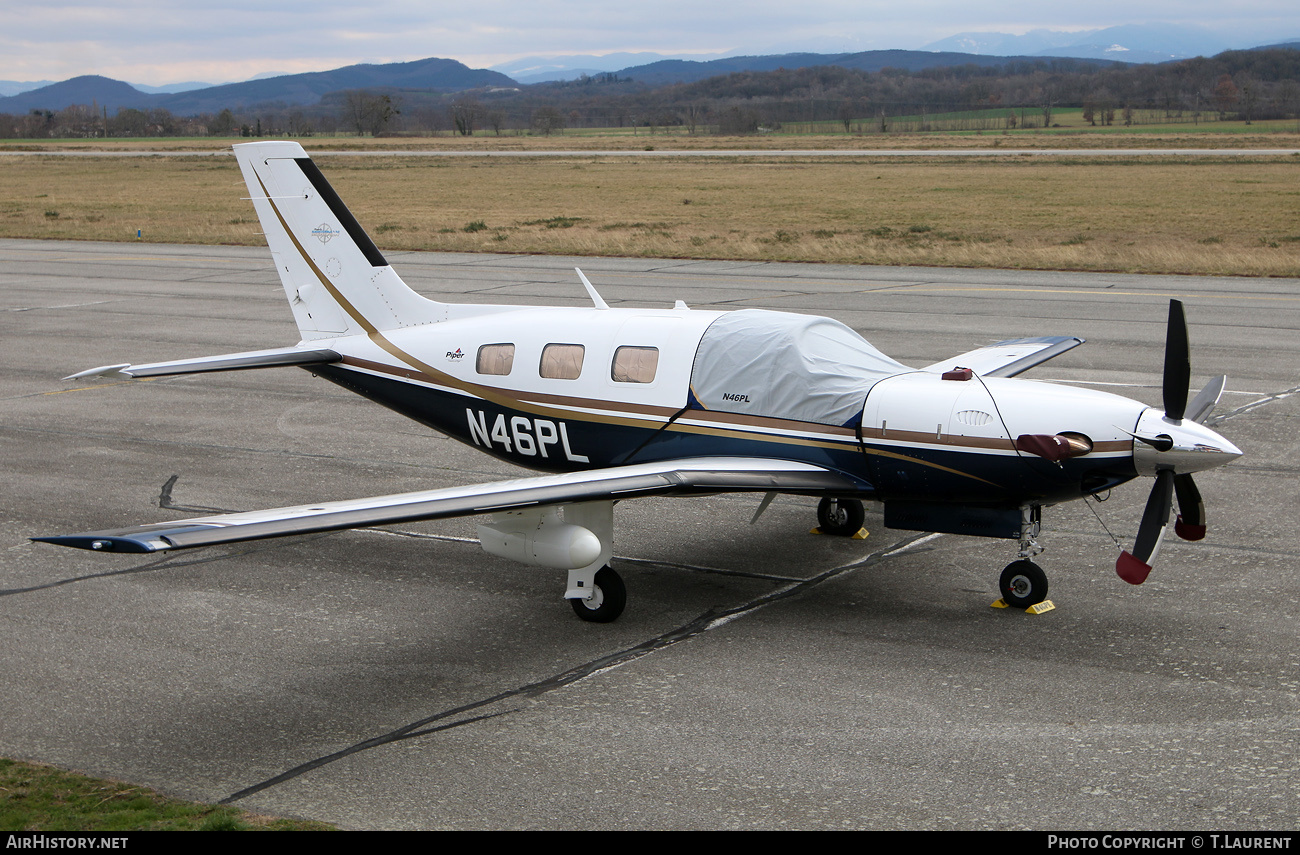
x=272 y=358
x=695 y=476
x=1008 y=358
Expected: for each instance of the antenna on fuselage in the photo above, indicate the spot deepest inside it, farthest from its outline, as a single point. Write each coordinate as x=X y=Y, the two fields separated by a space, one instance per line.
x=591 y=291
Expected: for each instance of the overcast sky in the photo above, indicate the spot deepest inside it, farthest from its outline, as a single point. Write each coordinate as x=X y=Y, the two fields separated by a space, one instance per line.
x=166 y=41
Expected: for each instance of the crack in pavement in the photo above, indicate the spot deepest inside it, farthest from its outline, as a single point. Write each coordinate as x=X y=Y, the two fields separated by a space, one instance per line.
x=711 y=619
x=1253 y=405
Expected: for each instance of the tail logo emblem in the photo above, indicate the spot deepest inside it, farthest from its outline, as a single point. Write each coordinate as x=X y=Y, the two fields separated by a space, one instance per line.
x=324 y=233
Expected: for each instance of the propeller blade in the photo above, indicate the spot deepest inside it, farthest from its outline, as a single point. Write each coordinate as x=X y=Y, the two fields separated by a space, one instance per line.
x=1178 y=363
x=1134 y=566
x=1203 y=404
x=1190 y=524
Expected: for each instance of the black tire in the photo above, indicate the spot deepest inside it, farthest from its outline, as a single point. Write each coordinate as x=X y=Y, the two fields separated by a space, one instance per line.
x=608 y=597
x=1023 y=584
x=840 y=517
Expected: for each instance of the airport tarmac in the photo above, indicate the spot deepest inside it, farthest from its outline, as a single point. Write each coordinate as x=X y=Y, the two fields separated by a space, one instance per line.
x=761 y=677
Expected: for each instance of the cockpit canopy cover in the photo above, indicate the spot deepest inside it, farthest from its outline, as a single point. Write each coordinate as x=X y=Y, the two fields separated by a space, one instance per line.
x=786 y=366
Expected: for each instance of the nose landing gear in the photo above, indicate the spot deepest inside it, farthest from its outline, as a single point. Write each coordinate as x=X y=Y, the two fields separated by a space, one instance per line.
x=1023 y=583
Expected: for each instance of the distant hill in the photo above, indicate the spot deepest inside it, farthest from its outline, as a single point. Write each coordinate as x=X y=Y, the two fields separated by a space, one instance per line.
x=445 y=75
x=440 y=75
x=1137 y=43
x=171 y=88
x=87 y=89
x=543 y=69
x=688 y=71
x=14 y=87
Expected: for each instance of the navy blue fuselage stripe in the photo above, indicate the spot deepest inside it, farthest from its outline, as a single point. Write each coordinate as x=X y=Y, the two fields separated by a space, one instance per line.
x=885 y=471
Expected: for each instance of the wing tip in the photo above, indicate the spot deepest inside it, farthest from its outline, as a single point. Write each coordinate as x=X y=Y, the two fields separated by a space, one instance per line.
x=101 y=371
x=96 y=543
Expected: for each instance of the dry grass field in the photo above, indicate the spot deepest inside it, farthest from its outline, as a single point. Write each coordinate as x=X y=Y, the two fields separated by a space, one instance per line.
x=1223 y=216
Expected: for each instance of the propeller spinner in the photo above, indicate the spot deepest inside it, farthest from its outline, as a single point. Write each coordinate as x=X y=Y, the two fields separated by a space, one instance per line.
x=1171 y=446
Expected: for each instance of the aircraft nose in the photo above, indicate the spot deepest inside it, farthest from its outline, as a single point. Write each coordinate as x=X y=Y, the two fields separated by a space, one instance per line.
x=1183 y=445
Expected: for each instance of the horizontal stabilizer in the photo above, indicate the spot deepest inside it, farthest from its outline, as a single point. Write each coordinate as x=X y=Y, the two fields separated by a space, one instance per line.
x=1008 y=358
x=697 y=476
x=275 y=357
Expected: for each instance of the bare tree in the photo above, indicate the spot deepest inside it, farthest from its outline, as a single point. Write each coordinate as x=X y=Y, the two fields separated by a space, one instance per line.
x=368 y=112
x=466 y=114
x=548 y=120
x=693 y=114
x=847 y=109
x=1225 y=96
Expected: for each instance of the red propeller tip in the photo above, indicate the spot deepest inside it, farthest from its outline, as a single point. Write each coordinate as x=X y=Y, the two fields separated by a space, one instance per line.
x=1187 y=531
x=1131 y=568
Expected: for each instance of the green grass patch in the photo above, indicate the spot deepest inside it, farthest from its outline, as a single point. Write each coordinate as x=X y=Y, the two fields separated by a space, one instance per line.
x=42 y=798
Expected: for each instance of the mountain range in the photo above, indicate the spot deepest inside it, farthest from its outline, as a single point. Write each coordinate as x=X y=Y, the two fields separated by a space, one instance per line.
x=1137 y=43
x=1132 y=44
x=446 y=75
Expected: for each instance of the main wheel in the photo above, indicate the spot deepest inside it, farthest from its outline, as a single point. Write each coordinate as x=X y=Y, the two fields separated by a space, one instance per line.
x=1023 y=584
x=840 y=517
x=608 y=597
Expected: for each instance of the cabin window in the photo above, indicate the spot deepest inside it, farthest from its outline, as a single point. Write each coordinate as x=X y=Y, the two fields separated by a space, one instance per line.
x=635 y=364
x=495 y=359
x=562 y=361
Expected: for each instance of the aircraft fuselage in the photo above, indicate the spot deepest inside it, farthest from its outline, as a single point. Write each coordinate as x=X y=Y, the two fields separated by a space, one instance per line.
x=914 y=435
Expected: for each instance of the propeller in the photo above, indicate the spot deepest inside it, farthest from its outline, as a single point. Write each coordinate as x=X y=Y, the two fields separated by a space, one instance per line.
x=1178 y=363
x=1192 y=450
x=1134 y=566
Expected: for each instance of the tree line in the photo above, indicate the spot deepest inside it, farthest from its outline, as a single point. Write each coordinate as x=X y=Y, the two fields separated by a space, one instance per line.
x=1246 y=85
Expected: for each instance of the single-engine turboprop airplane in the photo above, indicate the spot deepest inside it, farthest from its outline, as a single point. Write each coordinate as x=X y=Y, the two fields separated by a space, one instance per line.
x=622 y=403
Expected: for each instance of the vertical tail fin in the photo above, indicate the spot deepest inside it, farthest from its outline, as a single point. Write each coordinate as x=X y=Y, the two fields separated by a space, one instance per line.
x=337 y=281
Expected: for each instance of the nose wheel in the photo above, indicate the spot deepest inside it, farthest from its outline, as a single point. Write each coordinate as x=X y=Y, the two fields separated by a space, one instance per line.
x=1023 y=584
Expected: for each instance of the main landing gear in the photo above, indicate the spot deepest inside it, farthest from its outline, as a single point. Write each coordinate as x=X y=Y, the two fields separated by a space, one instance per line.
x=607 y=599
x=840 y=517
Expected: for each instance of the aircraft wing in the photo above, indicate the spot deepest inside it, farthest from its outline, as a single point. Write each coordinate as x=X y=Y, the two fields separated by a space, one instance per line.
x=695 y=476
x=1008 y=358
x=223 y=362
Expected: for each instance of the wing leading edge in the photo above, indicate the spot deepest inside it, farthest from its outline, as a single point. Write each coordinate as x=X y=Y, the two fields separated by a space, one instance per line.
x=273 y=358
x=1008 y=358
x=697 y=476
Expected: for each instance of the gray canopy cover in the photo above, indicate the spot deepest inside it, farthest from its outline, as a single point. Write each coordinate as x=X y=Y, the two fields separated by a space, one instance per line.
x=786 y=366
